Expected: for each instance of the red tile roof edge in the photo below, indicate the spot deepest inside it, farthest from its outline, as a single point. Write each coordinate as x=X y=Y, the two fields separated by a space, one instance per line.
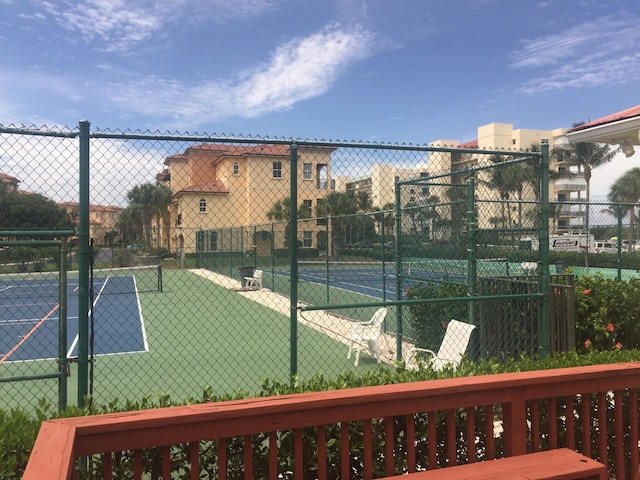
x=614 y=117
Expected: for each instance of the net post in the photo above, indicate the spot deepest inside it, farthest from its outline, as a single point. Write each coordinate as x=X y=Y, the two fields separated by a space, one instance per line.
x=293 y=259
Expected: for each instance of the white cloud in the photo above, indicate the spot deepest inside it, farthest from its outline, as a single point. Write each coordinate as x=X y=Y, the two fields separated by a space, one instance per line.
x=591 y=54
x=300 y=69
x=116 y=25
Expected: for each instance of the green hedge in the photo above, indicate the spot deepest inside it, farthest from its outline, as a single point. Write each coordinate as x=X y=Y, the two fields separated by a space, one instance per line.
x=19 y=429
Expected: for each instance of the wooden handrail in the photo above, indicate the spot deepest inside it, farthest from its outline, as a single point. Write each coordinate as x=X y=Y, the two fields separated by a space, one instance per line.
x=61 y=441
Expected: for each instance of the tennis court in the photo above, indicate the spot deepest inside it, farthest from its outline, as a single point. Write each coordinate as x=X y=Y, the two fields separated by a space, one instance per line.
x=29 y=318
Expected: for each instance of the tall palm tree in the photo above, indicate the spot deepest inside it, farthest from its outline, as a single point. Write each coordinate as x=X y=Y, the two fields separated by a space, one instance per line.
x=153 y=200
x=626 y=189
x=589 y=156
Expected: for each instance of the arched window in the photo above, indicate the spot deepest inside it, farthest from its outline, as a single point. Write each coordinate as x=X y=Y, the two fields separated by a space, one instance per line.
x=203 y=205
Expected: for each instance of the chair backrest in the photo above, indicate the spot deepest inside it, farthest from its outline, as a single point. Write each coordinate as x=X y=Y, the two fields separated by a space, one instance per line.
x=455 y=342
x=257 y=274
x=378 y=318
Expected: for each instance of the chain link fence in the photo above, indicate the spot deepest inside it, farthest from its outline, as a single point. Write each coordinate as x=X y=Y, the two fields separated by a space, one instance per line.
x=189 y=262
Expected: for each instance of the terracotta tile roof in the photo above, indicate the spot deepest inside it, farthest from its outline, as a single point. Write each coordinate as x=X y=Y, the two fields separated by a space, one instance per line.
x=471 y=144
x=239 y=150
x=4 y=176
x=614 y=117
x=210 y=187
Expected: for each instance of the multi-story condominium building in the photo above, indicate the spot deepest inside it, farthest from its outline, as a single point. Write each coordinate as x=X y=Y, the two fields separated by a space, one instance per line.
x=567 y=182
x=215 y=186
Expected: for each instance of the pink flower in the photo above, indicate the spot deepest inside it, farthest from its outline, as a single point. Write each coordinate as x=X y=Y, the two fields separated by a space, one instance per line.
x=618 y=346
x=587 y=291
x=587 y=344
x=610 y=327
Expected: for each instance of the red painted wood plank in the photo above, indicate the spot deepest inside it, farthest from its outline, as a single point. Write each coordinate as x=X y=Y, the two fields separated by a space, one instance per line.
x=489 y=414
x=194 y=459
x=618 y=428
x=322 y=451
x=273 y=455
x=411 y=444
x=569 y=418
x=53 y=452
x=633 y=432
x=247 y=449
x=452 y=447
x=553 y=424
x=602 y=428
x=222 y=459
x=535 y=425
x=298 y=455
x=388 y=446
x=137 y=464
x=585 y=420
x=344 y=450
x=559 y=464
x=368 y=450
x=432 y=440
x=471 y=434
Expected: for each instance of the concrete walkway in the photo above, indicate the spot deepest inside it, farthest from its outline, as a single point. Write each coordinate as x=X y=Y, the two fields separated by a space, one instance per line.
x=334 y=326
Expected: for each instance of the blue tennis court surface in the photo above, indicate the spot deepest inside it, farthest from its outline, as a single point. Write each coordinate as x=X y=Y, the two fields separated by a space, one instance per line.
x=29 y=318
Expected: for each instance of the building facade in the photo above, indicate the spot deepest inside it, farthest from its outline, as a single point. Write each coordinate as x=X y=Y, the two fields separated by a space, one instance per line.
x=216 y=186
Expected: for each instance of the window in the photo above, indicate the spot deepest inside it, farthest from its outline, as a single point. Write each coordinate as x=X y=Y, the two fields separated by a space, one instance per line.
x=236 y=168
x=203 y=205
x=179 y=220
x=308 y=204
x=306 y=171
x=307 y=239
x=277 y=169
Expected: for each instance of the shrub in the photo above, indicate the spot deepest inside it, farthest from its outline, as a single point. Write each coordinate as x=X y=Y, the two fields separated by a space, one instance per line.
x=607 y=313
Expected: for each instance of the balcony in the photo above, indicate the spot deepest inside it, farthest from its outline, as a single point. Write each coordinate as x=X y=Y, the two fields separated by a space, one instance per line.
x=362 y=432
x=574 y=183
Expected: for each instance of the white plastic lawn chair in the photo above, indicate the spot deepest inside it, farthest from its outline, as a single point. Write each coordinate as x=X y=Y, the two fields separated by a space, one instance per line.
x=255 y=281
x=453 y=346
x=367 y=334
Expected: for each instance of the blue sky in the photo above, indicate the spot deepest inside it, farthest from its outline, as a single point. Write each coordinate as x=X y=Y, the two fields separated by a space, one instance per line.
x=405 y=71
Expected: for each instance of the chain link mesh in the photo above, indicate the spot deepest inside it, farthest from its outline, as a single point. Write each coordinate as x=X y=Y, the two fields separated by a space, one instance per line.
x=191 y=259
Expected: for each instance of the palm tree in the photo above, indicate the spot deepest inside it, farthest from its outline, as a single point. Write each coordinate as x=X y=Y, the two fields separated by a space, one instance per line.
x=153 y=201
x=281 y=212
x=626 y=189
x=336 y=205
x=589 y=156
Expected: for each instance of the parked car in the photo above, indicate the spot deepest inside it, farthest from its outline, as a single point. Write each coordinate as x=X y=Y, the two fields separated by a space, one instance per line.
x=136 y=246
x=635 y=246
x=604 y=247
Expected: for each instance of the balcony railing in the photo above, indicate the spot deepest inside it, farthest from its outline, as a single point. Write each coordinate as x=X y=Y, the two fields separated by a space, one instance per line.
x=360 y=433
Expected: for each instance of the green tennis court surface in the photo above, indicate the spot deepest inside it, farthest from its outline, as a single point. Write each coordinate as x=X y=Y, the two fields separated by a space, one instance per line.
x=201 y=334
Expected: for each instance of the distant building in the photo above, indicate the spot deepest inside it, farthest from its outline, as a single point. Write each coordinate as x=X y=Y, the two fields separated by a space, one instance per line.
x=501 y=136
x=103 y=221
x=215 y=186
x=8 y=183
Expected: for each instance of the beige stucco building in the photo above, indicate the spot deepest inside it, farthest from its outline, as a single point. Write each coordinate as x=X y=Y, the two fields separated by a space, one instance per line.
x=503 y=137
x=103 y=221
x=217 y=186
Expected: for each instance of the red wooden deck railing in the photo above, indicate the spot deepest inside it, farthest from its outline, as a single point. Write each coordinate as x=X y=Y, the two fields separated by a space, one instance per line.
x=438 y=418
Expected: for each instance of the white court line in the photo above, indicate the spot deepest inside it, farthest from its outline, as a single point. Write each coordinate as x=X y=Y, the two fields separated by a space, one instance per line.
x=75 y=340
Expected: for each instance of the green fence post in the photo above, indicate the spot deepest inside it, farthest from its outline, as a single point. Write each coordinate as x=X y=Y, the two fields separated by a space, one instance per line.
x=398 y=263
x=472 y=261
x=62 y=327
x=619 y=233
x=83 y=264
x=293 y=260
x=545 y=326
